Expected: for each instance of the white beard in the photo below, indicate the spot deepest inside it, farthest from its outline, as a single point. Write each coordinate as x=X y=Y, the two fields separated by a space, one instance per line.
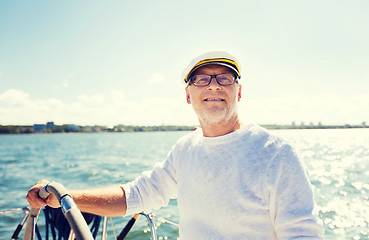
x=213 y=115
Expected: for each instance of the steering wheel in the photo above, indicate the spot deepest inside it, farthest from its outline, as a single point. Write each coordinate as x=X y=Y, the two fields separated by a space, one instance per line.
x=69 y=209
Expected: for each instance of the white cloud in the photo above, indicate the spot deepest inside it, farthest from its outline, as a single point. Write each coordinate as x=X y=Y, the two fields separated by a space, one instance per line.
x=18 y=107
x=93 y=109
x=96 y=99
x=65 y=84
x=14 y=97
x=157 y=78
x=118 y=99
x=117 y=94
x=328 y=109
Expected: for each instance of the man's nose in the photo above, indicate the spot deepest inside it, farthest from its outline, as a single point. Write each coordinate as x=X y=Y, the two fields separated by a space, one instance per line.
x=213 y=84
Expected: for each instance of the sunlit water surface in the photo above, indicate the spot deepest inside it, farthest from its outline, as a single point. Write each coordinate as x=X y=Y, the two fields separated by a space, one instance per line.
x=337 y=160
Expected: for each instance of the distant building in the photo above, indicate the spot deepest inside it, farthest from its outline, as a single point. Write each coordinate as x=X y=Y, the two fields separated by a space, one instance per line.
x=39 y=128
x=50 y=125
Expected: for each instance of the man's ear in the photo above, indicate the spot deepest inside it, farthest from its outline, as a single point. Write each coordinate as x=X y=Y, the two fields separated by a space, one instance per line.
x=188 y=96
x=239 y=93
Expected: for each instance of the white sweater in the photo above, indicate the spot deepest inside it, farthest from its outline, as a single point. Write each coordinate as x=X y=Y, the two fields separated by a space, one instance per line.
x=247 y=184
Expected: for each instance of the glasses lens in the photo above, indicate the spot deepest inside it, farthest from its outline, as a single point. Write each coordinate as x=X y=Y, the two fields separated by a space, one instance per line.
x=204 y=80
x=225 y=79
x=201 y=80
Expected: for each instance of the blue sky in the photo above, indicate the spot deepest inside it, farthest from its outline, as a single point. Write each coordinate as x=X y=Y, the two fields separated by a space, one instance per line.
x=120 y=62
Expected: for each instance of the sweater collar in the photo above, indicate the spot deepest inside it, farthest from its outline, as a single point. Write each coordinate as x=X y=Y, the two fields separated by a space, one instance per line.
x=228 y=138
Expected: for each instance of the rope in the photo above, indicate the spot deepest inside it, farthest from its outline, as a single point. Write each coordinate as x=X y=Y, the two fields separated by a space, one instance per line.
x=167 y=221
x=112 y=225
x=14 y=210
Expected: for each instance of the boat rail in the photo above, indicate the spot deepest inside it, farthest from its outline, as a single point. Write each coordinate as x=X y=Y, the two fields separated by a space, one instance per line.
x=104 y=231
x=79 y=228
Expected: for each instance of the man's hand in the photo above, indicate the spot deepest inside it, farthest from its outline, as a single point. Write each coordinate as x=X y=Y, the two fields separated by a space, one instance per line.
x=36 y=202
x=105 y=201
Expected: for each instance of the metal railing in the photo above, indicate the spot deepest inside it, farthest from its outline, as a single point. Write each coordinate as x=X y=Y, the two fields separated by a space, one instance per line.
x=79 y=227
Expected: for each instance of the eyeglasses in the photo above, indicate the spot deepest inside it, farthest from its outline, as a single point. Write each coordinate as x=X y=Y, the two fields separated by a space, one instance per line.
x=203 y=80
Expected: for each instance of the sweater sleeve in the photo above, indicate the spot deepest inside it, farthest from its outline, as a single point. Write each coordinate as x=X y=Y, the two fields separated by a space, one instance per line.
x=153 y=189
x=291 y=198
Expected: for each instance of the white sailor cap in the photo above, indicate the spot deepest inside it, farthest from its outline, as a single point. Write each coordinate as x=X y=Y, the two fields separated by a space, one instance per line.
x=212 y=57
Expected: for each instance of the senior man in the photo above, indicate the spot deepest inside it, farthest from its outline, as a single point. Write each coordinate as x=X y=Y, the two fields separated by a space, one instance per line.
x=231 y=181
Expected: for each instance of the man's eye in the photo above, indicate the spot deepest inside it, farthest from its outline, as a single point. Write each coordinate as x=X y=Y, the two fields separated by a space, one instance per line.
x=201 y=78
x=225 y=77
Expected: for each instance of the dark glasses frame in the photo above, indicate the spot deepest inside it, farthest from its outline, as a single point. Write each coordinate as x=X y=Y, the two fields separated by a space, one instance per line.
x=191 y=79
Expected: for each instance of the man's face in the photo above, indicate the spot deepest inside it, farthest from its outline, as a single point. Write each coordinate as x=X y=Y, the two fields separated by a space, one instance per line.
x=214 y=103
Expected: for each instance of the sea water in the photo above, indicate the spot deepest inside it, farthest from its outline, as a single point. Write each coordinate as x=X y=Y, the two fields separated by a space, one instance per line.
x=337 y=161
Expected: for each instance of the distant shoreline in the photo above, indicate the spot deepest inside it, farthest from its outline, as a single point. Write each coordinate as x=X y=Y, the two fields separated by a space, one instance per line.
x=346 y=126
x=70 y=128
